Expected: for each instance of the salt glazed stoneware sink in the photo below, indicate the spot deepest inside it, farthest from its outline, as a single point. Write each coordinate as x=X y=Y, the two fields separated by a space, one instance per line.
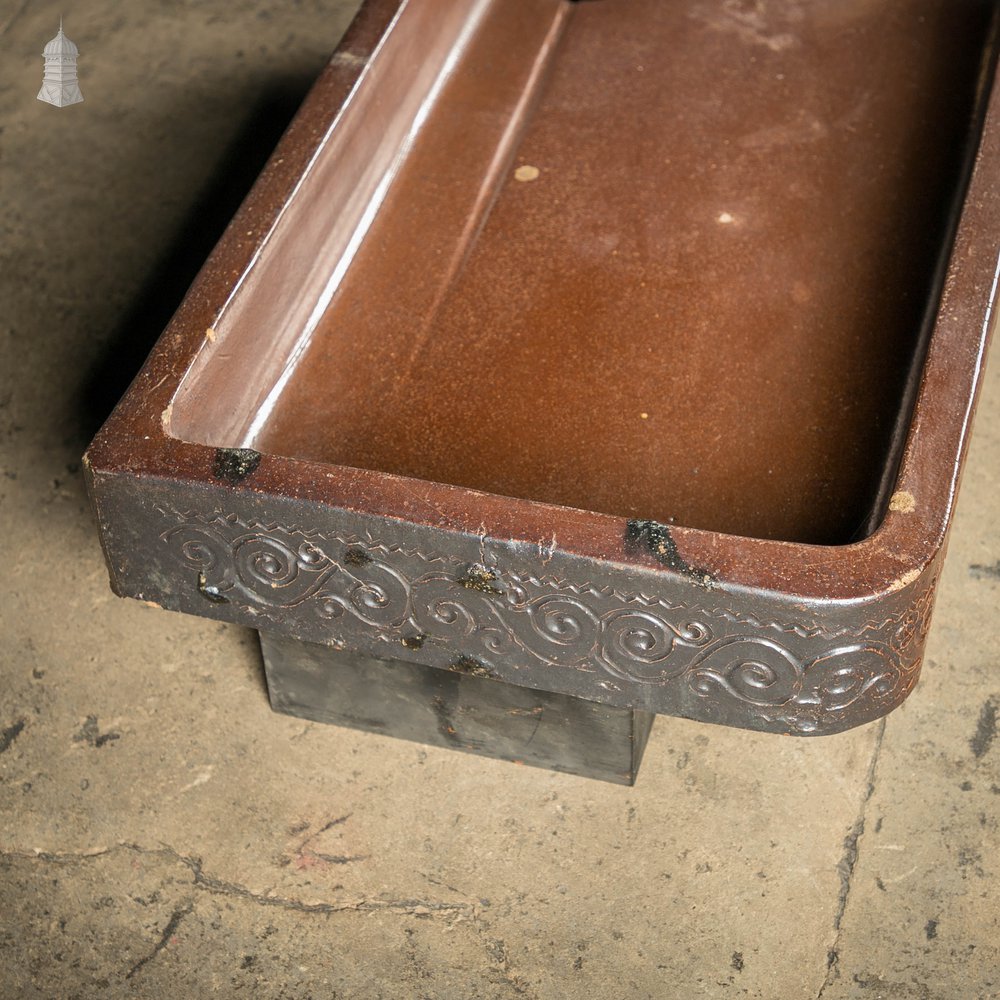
x=614 y=358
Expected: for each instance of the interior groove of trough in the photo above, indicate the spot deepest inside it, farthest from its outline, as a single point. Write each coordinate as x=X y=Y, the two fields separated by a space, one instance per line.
x=659 y=260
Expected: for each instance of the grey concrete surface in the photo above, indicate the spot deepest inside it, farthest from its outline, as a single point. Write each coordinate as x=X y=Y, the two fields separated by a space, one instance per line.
x=163 y=834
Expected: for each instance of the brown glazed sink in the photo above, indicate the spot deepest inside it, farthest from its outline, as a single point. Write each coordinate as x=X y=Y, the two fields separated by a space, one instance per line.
x=619 y=349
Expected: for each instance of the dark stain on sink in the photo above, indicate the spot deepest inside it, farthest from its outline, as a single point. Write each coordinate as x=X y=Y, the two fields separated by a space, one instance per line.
x=235 y=464
x=478 y=577
x=471 y=667
x=356 y=557
x=444 y=721
x=655 y=538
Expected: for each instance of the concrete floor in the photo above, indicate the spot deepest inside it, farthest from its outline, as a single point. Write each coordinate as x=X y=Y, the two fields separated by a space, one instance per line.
x=163 y=833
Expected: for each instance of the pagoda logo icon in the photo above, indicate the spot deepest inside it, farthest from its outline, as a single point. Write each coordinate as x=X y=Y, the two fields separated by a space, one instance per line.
x=60 y=86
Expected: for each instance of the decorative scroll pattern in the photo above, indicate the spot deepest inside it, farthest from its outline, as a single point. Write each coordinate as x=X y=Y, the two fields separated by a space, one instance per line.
x=790 y=677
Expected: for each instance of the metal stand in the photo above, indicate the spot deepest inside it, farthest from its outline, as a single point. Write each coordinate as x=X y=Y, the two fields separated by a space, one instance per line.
x=457 y=711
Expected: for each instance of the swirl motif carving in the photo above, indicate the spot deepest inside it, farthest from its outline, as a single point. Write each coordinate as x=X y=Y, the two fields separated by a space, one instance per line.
x=198 y=547
x=264 y=568
x=558 y=628
x=637 y=644
x=911 y=626
x=754 y=670
x=265 y=562
x=442 y=610
x=770 y=675
x=375 y=594
x=845 y=675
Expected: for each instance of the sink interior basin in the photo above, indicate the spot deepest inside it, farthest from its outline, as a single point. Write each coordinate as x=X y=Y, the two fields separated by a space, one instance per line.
x=674 y=261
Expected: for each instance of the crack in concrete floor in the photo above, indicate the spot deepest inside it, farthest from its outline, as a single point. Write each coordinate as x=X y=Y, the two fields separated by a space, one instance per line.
x=202 y=880
x=848 y=863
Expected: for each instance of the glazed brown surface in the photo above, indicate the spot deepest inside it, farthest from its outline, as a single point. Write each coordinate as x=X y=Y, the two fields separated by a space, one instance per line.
x=770 y=635
x=703 y=308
